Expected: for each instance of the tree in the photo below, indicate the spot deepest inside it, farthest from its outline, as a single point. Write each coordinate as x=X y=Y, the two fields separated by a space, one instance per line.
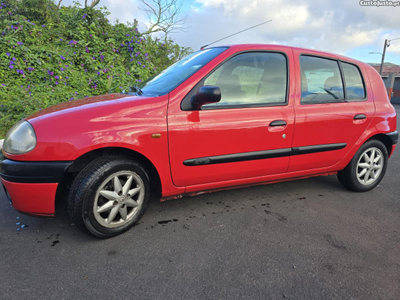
x=37 y=10
x=164 y=16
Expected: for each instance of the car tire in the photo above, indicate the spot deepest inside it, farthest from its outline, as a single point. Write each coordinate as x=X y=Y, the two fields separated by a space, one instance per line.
x=363 y=174
x=109 y=196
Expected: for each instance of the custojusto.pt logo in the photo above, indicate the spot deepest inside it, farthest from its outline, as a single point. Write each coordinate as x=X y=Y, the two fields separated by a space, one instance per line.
x=380 y=3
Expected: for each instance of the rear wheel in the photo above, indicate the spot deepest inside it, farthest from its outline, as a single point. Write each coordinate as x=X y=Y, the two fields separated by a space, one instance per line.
x=367 y=168
x=109 y=196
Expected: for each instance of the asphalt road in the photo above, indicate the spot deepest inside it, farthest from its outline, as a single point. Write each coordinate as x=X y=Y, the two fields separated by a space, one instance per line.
x=306 y=239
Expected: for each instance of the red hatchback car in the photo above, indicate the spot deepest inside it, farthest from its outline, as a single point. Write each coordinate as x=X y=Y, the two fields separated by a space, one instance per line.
x=221 y=117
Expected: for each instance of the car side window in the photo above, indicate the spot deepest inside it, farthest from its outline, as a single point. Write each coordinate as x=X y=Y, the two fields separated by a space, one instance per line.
x=321 y=81
x=353 y=80
x=255 y=78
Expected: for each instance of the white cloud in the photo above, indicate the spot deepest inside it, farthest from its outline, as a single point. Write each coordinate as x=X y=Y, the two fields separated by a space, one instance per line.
x=126 y=11
x=330 y=25
x=394 y=46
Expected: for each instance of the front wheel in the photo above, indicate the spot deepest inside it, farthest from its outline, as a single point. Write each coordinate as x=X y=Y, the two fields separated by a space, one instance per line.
x=109 y=196
x=367 y=168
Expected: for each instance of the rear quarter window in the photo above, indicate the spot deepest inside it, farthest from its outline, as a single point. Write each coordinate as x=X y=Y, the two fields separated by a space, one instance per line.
x=354 y=83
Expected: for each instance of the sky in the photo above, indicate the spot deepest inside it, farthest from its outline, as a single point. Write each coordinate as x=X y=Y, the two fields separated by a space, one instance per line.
x=339 y=26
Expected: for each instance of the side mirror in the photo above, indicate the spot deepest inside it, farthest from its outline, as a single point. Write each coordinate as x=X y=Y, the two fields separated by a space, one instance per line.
x=206 y=94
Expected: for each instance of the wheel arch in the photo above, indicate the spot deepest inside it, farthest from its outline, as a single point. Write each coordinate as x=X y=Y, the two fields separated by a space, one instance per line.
x=79 y=163
x=384 y=139
x=367 y=136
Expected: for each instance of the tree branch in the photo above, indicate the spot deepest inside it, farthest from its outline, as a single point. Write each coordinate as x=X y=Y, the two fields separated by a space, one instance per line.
x=94 y=3
x=164 y=16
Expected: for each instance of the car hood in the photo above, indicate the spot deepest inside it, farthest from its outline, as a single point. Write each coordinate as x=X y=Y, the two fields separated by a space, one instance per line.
x=68 y=130
x=85 y=103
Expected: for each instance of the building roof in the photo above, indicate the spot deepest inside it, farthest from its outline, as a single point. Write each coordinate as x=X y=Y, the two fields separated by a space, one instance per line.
x=387 y=70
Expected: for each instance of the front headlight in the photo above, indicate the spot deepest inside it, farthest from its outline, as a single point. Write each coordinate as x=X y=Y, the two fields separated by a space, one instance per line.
x=20 y=139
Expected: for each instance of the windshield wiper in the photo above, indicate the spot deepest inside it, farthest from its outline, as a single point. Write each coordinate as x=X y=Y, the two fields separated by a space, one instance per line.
x=136 y=90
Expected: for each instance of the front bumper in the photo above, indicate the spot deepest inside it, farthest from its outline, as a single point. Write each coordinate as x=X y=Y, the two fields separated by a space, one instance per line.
x=31 y=186
x=32 y=198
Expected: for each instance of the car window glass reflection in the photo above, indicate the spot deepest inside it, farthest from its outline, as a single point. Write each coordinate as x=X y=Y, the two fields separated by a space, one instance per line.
x=251 y=78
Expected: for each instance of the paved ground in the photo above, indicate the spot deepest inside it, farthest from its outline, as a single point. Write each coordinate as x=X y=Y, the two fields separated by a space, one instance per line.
x=308 y=239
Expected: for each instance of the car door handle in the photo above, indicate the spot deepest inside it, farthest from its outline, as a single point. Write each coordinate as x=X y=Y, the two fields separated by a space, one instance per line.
x=360 y=117
x=278 y=123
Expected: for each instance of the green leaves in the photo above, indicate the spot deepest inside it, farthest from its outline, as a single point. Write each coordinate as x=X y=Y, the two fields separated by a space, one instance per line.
x=63 y=56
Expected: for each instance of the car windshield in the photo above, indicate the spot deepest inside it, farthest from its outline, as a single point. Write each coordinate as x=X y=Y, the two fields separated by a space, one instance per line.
x=174 y=75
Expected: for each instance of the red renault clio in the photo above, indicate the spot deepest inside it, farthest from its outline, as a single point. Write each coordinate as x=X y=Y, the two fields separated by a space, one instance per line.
x=221 y=117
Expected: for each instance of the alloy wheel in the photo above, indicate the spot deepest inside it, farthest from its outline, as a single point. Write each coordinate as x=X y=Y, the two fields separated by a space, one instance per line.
x=369 y=166
x=118 y=199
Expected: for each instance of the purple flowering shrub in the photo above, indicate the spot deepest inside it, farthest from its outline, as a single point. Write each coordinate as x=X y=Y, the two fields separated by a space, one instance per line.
x=74 y=53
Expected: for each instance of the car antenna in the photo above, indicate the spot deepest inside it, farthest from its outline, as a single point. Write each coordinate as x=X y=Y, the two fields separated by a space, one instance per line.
x=201 y=48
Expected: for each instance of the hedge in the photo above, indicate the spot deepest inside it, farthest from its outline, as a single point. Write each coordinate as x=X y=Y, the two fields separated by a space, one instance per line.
x=71 y=53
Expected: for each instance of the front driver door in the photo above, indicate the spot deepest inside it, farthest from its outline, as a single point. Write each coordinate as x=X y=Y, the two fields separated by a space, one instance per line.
x=247 y=134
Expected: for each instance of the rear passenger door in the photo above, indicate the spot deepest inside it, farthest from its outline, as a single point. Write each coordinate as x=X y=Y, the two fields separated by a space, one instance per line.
x=332 y=111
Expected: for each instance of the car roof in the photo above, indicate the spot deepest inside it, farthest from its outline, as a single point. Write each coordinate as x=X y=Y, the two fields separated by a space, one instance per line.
x=244 y=47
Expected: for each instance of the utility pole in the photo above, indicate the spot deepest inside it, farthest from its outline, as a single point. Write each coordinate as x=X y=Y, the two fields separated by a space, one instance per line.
x=383 y=56
x=387 y=44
